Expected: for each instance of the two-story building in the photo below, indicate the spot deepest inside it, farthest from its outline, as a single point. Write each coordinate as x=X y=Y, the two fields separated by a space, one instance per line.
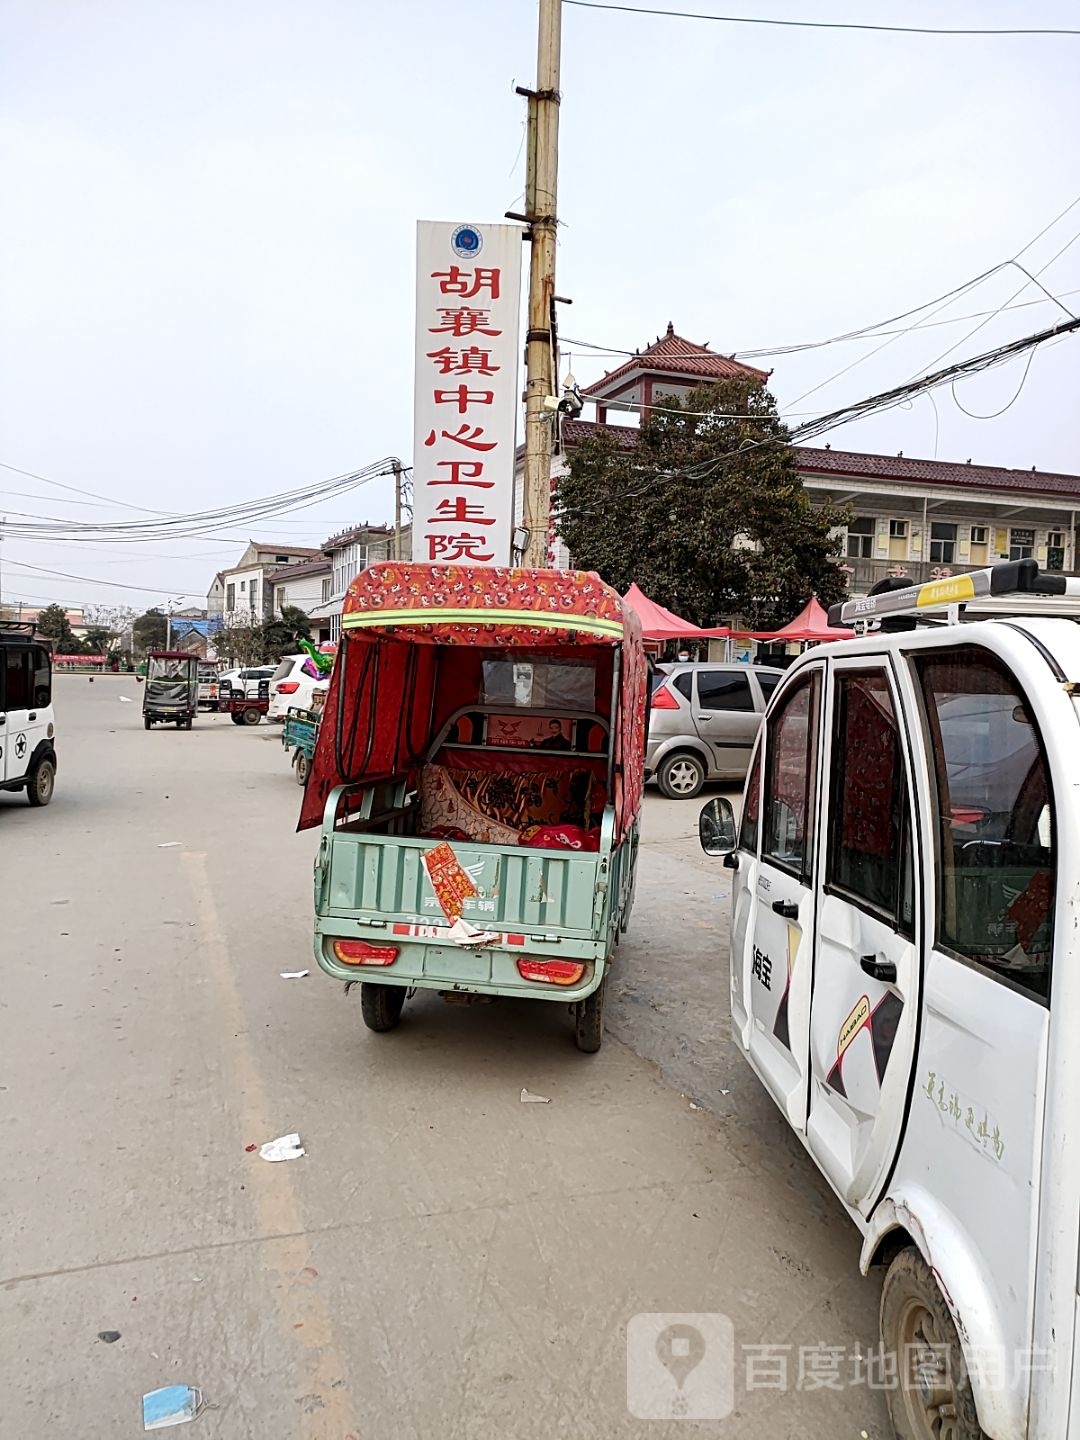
x=348 y=553
x=301 y=586
x=249 y=598
x=909 y=516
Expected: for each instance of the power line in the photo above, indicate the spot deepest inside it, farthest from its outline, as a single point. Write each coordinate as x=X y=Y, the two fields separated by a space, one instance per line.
x=812 y=24
x=89 y=580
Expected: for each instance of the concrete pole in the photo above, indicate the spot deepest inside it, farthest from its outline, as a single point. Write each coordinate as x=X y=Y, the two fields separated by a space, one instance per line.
x=396 y=554
x=540 y=196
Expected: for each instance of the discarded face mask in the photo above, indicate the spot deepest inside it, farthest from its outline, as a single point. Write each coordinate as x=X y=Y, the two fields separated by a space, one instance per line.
x=171 y=1405
x=285 y=1147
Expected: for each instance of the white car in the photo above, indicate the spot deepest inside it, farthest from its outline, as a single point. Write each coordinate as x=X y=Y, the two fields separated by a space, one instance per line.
x=246 y=679
x=292 y=687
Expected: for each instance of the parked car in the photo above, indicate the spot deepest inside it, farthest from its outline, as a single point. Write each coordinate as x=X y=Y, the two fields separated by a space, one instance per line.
x=292 y=687
x=246 y=679
x=703 y=720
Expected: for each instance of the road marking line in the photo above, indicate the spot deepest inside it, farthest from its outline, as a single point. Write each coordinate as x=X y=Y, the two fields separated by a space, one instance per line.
x=325 y=1408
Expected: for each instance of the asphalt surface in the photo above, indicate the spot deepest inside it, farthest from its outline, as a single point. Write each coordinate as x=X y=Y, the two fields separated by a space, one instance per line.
x=445 y=1261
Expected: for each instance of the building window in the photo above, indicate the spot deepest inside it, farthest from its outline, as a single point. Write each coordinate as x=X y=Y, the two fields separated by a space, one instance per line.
x=327 y=588
x=898 y=529
x=1021 y=544
x=243 y=586
x=979 y=534
x=254 y=594
x=942 y=543
x=860 y=538
x=230 y=597
x=281 y=560
x=1056 y=538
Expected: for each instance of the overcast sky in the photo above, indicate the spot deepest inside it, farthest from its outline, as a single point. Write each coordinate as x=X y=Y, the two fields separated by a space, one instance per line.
x=206 y=260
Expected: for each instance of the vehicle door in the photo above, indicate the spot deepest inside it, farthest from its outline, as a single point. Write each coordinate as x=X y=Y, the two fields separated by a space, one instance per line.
x=25 y=701
x=1002 y=895
x=864 y=1007
x=776 y=958
x=727 y=713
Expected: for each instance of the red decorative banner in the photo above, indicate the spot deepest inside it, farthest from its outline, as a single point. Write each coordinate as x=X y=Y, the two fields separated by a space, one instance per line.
x=450 y=882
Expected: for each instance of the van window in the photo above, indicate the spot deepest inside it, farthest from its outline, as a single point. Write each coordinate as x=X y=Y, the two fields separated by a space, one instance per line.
x=722 y=690
x=748 y=825
x=17 y=677
x=869 y=831
x=789 y=786
x=994 y=826
x=42 y=666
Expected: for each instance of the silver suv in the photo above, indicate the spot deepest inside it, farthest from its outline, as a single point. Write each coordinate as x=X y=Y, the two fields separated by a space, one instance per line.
x=703 y=720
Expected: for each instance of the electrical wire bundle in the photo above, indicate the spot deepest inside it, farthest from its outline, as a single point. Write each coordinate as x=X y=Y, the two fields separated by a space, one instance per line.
x=164 y=525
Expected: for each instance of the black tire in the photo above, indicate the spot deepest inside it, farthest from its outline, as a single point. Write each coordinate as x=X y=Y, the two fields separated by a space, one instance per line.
x=42 y=783
x=236 y=718
x=381 y=1005
x=302 y=766
x=589 y=1020
x=681 y=775
x=252 y=716
x=188 y=723
x=933 y=1396
x=148 y=724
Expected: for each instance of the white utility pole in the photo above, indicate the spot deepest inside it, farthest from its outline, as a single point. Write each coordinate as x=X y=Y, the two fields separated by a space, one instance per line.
x=541 y=187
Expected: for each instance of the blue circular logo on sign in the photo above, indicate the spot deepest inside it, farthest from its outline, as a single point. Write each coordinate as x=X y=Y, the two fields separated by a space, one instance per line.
x=467 y=241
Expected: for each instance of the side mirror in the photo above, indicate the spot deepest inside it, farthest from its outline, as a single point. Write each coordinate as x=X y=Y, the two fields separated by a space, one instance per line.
x=716 y=827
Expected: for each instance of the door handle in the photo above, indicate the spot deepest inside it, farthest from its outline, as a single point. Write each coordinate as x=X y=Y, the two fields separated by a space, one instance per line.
x=877 y=969
x=786 y=908
x=32 y=715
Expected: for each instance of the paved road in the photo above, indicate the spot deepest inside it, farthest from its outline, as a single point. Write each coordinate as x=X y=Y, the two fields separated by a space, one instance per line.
x=445 y=1261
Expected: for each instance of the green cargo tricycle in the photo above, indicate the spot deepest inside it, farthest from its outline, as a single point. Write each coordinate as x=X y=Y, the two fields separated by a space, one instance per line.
x=478 y=780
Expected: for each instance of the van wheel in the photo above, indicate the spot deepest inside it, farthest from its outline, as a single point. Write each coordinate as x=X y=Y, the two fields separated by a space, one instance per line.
x=302 y=767
x=42 y=783
x=252 y=716
x=933 y=1396
x=681 y=776
x=381 y=1005
x=589 y=1020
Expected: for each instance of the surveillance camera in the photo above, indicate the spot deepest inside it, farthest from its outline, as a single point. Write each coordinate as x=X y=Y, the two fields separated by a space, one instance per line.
x=571 y=404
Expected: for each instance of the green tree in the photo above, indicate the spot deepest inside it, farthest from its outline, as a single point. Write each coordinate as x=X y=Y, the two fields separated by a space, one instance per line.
x=53 y=622
x=149 y=631
x=707 y=513
x=278 y=637
x=98 y=639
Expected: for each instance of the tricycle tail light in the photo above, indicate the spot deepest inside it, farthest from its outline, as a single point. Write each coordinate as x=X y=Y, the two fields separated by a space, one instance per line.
x=550 y=972
x=359 y=952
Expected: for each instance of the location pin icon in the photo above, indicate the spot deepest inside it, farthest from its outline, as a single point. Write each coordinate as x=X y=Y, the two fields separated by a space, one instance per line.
x=681 y=1349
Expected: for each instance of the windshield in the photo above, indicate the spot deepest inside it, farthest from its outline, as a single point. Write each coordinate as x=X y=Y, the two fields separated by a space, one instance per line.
x=541 y=684
x=169 y=669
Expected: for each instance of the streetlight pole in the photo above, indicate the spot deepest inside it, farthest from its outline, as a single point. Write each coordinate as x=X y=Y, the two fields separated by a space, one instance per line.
x=541 y=187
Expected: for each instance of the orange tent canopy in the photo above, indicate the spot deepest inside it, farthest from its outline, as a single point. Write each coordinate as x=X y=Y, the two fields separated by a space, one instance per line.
x=659 y=623
x=811 y=623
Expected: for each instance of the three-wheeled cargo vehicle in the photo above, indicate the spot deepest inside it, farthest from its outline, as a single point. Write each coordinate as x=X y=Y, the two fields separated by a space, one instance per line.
x=242 y=707
x=905 y=979
x=300 y=733
x=27 y=749
x=171 y=692
x=478 y=779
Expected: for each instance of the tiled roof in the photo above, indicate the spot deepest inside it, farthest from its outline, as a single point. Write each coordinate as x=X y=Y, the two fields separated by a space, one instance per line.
x=670 y=354
x=346 y=537
x=860 y=465
x=935 y=472
x=319 y=566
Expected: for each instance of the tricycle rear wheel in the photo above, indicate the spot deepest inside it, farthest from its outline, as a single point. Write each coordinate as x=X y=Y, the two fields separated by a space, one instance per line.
x=589 y=1020
x=303 y=767
x=381 y=1005
x=147 y=722
x=236 y=718
x=252 y=716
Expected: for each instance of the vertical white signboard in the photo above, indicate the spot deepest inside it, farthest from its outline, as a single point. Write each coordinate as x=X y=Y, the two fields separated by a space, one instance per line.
x=468 y=281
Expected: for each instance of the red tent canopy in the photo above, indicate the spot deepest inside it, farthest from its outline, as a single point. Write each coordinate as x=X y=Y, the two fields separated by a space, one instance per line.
x=811 y=623
x=659 y=623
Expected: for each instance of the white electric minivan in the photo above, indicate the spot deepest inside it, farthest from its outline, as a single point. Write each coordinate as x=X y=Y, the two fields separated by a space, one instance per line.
x=905 y=975
x=27 y=729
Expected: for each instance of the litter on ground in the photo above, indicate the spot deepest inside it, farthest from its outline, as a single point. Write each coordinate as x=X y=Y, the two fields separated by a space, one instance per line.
x=171 y=1405
x=285 y=1147
x=294 y=974
x=528 y=1098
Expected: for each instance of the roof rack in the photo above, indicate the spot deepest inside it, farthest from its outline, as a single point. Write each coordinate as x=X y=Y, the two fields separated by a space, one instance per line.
x=1015 y=577
x=12 y=629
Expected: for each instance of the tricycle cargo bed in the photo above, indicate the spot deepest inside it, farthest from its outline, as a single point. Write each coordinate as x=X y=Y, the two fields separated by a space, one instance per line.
x=382 y=876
